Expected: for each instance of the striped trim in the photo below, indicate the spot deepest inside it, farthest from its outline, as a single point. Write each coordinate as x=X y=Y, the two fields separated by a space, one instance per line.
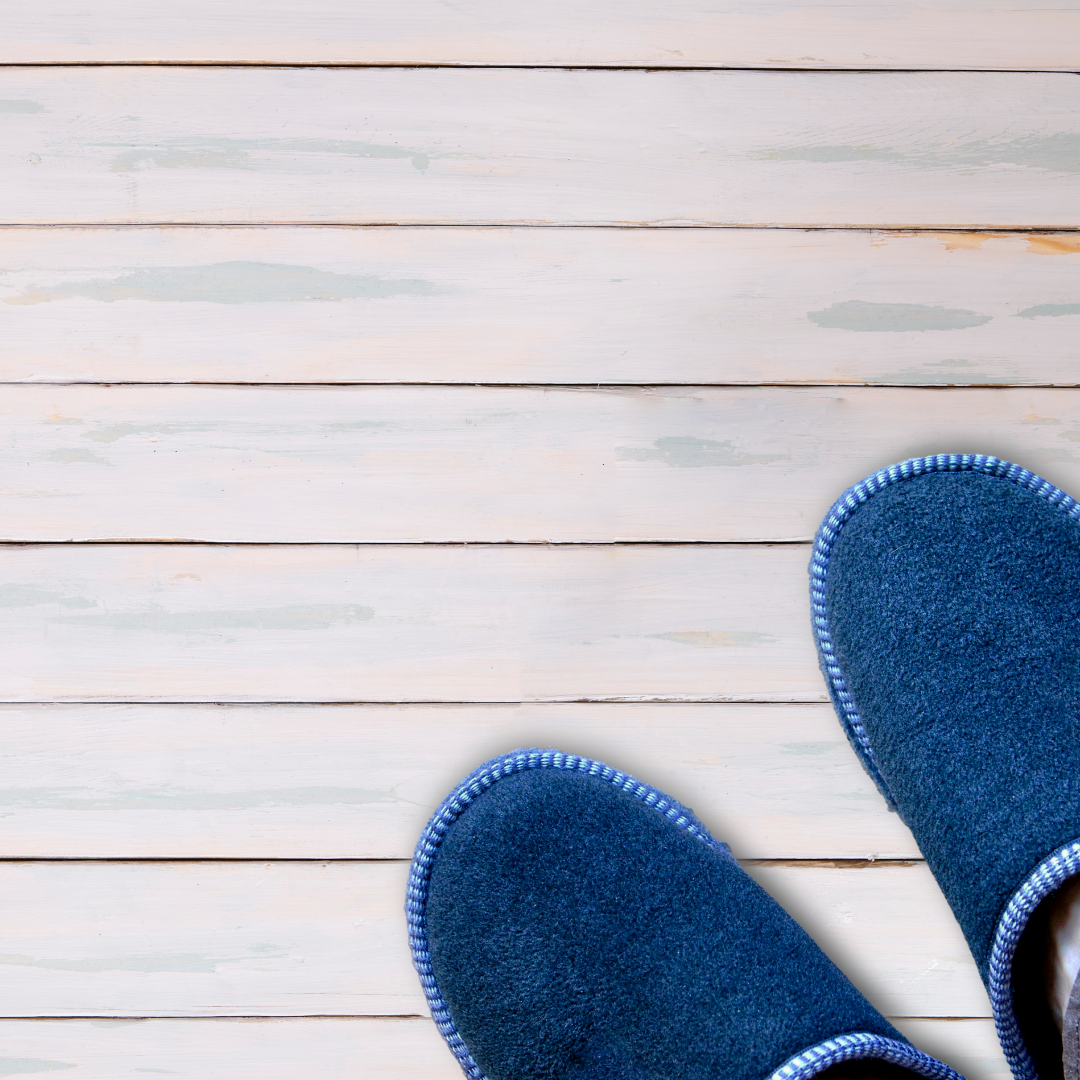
x=1056 y=868
x=1040 y=883
x=806 y=1064
x=860 y=1046
x=827 y=534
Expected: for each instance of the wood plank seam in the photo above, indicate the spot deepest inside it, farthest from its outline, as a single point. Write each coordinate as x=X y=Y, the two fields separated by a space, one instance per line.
x=508 y=66
x=625 y=226
x=119 y=226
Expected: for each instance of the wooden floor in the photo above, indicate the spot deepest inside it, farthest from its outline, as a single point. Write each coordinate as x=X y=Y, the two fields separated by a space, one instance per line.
x=386 y=386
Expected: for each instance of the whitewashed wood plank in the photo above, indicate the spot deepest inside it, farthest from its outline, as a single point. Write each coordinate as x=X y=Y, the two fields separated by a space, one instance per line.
x=513 y=305
x=377 y=1048
x=324 y=1048
x=288 y=939
x=423 y=146
x=376 y=464
x=890 y=930
x=210 y=781
x=754 y=33
x=969 y=1045
x=346 y=623
x=205 y=939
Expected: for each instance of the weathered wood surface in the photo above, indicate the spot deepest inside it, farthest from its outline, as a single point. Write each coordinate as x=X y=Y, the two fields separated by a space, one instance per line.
x=514 y=305
x=161 y=622
x=888 y=927
x=326 y=1048
x=325 y=782
x=320 y=939
x=969 y=1045
x=467 y=305
x=753 y=33
x=425 y=146
x=330 y=1048
x=422 y=463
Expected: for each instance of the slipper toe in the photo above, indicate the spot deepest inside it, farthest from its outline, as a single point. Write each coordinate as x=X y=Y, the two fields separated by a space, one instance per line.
x=571 y=923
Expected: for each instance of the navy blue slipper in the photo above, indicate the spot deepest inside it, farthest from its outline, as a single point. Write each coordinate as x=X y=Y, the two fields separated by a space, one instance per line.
x=946 y=606
x=571 y=923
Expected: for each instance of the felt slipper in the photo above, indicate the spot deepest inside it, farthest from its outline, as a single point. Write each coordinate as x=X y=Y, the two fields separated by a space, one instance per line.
x=946 y=607
x=570 y=923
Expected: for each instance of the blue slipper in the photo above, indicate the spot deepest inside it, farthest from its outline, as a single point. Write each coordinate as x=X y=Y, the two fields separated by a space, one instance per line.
x=946 y=606
x=571 y=923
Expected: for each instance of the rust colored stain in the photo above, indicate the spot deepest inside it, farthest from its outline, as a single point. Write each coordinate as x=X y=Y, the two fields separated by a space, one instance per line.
x=1038 y=244
x=1060 y=244
x=953 y=241
x=966 y=241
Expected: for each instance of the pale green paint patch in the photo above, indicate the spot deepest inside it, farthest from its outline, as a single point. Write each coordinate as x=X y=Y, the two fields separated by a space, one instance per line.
x=716 y=639
x=227 y=153
x=1039 y=310
x=20 y=106
x=355 y=425
x=1054 y=153
x=69 y=455
x=154 y=619
x=16 y=1066
x=187 y=799
x=918 y=377
x=808 y=749
x=229 y=283
x=13 y=596
x=111 y=433
x=147 y=158
x=827 y=154
x=686 y=452
x=193 y=963
x=962 y=375
x=864 y=317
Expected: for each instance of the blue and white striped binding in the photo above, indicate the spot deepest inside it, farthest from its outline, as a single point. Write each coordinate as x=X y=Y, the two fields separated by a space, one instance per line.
x=1040 y=883
x=802 y=1066
x=1053 y=870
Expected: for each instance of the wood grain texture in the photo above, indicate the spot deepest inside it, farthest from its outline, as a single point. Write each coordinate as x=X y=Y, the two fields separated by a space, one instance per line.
x=424 y=146
x=969 y=1045
x=327 y=1048
x=754 y=33
x=513 y=305
x=422 y=463
x=346 y=623
x=320 y=945
x=377 y=1048
x=324 y=782
x=307 y=938
x=889 y=929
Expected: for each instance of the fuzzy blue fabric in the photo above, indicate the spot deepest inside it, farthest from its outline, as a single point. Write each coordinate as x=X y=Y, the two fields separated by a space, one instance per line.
x=571 y=923
x=946 y=596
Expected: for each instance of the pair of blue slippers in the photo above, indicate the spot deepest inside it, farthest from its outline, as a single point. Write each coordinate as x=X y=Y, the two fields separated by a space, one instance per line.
x=570 y=922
